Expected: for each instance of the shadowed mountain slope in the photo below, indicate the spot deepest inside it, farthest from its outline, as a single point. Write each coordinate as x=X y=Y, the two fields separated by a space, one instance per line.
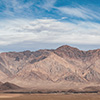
x=9 y=86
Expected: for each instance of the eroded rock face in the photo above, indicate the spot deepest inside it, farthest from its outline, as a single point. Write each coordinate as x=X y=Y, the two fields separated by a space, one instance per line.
x=65 y=64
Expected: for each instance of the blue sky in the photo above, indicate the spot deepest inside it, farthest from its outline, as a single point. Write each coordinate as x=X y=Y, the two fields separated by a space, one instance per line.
x=48 y=24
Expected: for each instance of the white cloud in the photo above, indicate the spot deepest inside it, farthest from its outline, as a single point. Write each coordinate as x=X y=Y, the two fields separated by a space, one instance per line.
x=49 y=31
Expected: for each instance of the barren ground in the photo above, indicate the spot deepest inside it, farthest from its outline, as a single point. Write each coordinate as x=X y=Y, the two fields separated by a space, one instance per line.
x=50 y=96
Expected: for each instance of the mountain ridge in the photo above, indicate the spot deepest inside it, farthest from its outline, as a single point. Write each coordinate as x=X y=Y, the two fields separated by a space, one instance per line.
x=64 y=65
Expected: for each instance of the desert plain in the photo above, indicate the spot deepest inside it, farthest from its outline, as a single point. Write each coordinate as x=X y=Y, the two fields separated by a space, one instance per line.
x=85 y=96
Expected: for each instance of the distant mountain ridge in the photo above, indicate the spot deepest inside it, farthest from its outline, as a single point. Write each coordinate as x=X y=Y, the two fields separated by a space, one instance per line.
x=63 y=67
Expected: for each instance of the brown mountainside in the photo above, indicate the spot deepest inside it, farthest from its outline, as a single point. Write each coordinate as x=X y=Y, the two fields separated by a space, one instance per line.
x=65 y=66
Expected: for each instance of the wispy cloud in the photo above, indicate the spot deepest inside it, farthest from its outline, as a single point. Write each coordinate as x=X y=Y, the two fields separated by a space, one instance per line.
x=15 y=8
x=79 y=12
x=34 y=9
x=48 y=4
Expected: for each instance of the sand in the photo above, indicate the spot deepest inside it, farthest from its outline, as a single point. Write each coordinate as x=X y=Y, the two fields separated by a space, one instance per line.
x=50 y=96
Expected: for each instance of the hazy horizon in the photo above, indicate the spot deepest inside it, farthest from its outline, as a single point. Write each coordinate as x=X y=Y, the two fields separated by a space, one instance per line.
x=53 y=46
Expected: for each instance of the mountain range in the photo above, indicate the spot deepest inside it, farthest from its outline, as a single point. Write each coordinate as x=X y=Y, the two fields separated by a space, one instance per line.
x=63 y=68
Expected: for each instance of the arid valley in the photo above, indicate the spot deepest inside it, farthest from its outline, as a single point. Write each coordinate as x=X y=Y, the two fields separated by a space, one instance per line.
x=50 y=97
